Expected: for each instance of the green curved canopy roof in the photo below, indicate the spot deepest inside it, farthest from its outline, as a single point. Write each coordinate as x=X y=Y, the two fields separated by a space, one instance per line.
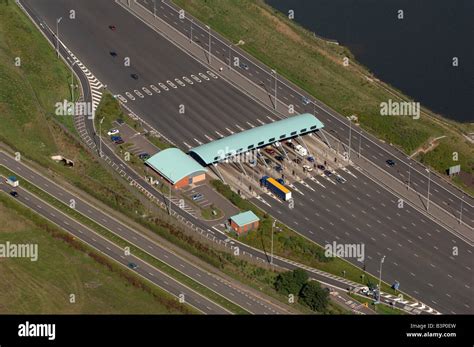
x=174 y=165
x=255 y=138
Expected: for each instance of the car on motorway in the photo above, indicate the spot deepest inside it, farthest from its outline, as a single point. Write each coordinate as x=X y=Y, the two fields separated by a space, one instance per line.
x=280 y=158
x=133 y=266
x=244 y=66
x=307 y=168
x=328 y=173
x=14 y=194
x=340 y=179
x=112 y=27
x=134 y=76
x=279 y=168
x=305 y=100
x=310 y=159
x=390 y=162
x=197 y=196
x=144 y=156
x=113 y=132
x=321 y=167
x=270 y=151
x=113 y=53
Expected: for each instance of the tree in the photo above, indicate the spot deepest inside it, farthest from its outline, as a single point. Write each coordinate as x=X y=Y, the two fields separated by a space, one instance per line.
x=291 y=282
x=314 y=296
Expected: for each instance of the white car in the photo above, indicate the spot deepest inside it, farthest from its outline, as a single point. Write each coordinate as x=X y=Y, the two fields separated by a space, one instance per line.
x=307 y=168
x=301 y=150
x=113 y=132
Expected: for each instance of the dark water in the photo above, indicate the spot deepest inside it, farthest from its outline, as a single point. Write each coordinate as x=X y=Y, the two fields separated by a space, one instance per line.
x=414 y=54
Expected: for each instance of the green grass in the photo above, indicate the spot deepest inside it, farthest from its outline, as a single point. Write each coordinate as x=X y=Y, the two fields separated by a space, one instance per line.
x=64 y=268
x=316 y=66
x=379 y=308
x=214 y=296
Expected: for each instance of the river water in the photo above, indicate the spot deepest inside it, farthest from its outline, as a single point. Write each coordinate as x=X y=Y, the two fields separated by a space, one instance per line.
x=414 y=54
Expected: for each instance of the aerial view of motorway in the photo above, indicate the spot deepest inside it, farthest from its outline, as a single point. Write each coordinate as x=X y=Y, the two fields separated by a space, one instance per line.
x=171 y=158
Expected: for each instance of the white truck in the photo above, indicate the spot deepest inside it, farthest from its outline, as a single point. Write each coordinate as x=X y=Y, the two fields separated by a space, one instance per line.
x=301 y=150
x=12 y=181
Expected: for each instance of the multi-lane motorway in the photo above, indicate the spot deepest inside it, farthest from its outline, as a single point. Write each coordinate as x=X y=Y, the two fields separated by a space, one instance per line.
x=214 y=108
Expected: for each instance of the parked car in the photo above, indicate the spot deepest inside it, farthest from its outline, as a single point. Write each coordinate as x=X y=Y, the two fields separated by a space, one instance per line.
x=328 y=173
x=119 y=142
x=321 y=167
x=301 y=150
x=115 y=138
x=14 y=194
x=390 y=162
x=197 y=196
x=279 y=168
x=113 y=132
x=144 y=156
x=279 y=158
x=340 y=179
x=310 y=159
x=276 y=144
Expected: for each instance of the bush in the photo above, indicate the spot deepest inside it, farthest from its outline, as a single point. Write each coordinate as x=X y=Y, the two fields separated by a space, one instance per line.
x=291 y=282
x=315 y=297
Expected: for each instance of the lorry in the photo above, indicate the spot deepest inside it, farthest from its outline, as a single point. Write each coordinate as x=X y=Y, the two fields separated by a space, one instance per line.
x=12 y=181
x=276 y=188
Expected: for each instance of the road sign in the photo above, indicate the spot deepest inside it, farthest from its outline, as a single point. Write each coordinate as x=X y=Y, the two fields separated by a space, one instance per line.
x=454 y=170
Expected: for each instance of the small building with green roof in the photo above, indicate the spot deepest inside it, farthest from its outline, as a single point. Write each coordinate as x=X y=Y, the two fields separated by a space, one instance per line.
x=244 y=222
x=177 y=167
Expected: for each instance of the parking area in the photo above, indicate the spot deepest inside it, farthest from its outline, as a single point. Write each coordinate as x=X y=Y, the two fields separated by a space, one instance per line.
x=136 y=142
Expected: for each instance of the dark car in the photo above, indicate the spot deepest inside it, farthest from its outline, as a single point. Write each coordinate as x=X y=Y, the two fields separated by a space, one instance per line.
x=133 y=266
x=113 y=53
x=310 y=159
x=278 y=168
x=328 y=173
x=112 y=27
x=279 y=158
x=321 y=167
x=244 y=66
x=281 y=181
x=115 y=138
x=390 y=162
x=14 y=194
x=134 y=76
x=144 y=156
x=120 y=121
x=297 y=160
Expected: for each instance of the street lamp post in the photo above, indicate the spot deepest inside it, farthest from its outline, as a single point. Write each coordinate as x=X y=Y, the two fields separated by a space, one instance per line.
x=271 y=256
x=380 y=276
x=274 y=72
x=100 y=136
x=57 y=34
x=429 y=182
x=209 y=31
